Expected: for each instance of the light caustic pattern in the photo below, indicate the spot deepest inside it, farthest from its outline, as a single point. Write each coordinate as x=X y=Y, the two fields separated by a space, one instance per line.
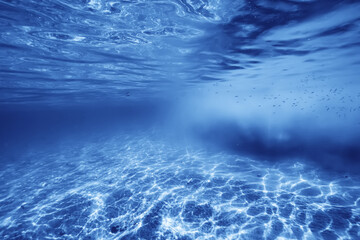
x=140 y=188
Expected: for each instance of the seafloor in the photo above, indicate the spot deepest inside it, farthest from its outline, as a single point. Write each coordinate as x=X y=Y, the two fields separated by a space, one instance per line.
x=141 y=187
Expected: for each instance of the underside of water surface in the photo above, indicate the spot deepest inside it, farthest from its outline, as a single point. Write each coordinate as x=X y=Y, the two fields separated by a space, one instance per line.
x=179 y=119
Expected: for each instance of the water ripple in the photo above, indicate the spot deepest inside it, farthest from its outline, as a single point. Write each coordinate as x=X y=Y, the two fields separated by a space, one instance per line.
x=189 y=42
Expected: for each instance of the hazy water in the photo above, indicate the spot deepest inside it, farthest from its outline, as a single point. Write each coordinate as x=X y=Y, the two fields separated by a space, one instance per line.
x=180 y=119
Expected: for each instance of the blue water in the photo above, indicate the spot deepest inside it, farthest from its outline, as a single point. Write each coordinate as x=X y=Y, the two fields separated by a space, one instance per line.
x=180 y=119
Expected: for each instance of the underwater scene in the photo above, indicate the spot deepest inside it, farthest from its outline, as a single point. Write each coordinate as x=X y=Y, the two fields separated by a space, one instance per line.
x=179 y=119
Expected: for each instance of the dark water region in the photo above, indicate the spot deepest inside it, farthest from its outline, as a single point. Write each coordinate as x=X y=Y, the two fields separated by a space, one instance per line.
x=37 y=126
x=180 y=119
x=329 y=152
